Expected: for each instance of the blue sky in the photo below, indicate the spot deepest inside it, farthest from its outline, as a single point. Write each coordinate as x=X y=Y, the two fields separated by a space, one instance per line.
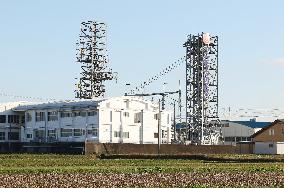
x=37 y=45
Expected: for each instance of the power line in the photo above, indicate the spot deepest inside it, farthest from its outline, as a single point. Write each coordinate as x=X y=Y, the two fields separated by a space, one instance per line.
x=165 y=71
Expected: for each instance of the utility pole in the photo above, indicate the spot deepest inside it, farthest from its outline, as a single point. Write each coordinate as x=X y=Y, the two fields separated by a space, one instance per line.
x=174 y=121
x=159 y=129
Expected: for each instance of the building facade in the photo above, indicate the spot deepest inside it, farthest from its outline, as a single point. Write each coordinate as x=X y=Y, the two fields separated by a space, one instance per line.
x=114 y=120
x=270 y=139
x=11 y=122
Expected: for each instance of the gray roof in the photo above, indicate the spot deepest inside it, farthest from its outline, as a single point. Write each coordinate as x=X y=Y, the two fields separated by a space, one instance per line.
x=63 y=105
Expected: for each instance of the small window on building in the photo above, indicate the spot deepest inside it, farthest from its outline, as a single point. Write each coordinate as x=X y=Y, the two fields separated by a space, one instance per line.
x=52 y=116
x=51 y=133
x=156 y=135
x=28 y=117
x=65 y=114
x=156 y=116
x=39 y=134
x=13 y=119
x=126 y=114
x=83 y=114
x=2 y=135
x=125 y=134
x=23 y=119
x=13 y=135
x=163 y=134
x=2 y=118
x=270 y=145
x=271 y=132
x=29 y=136
x=127 y=104
x=95 y=132
x=76 y=114
x=78 y=132
x=117 y=134
x=40 y=116
x=66 y=132
x=110 y=116
x=137 y=117
x=92 y=113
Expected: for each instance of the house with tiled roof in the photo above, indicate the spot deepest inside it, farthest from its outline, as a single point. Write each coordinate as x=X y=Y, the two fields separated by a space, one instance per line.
x=270 y=139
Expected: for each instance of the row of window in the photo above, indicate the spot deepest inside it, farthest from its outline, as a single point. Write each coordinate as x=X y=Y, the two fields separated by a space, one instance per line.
x=12 y=119
x=236 y=139
x=121 y=134
x=65 y=133
x=11 y=135
x=138 y=117
x=53 y=115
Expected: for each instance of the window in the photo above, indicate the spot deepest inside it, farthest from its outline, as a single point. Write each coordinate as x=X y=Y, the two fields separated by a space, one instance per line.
x=28 y=117
x=83 y=114
x=126 y=114
x=75 y=114
x=52 y=116
x=79 y=132
x=13 y=119
x=29 y=135
x=156 y=116
x=2 y=119
x=271 y=132
x=66 y=132
x=163 y=134
x=23 y=119
x=40 y=134
x=13 y=135
x=137 y=117
x=127 y=104
x=117 y=134
x=110 y=116
x=51 y=133
x=95 y=132
x=40 y=116
x=156 y=135
x=92 y=113
x=2 y=135
x=270 y=145
x=65 y=114
x=229 y=139
x=125 y=134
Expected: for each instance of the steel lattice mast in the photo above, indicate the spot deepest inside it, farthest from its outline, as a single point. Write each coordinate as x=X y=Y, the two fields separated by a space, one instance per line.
x=202 y=88
x=92 y=54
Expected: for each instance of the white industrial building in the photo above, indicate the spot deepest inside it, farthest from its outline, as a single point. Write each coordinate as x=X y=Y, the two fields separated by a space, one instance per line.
x=113 y=120
x=233 y=132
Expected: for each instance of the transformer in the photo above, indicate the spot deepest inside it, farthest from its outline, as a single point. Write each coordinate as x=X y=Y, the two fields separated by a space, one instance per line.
x=202 y=89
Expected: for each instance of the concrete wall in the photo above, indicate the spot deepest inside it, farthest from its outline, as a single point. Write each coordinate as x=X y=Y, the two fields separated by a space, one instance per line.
x=148 y=149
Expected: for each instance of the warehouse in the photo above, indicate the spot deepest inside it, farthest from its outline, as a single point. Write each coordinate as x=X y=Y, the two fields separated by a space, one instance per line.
x=113 y=120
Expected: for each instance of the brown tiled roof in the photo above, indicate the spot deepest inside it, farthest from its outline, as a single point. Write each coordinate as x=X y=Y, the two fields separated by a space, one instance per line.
x=267 y=127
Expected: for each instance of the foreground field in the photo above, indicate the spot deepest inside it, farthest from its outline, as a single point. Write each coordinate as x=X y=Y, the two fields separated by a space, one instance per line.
x=87 y=171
